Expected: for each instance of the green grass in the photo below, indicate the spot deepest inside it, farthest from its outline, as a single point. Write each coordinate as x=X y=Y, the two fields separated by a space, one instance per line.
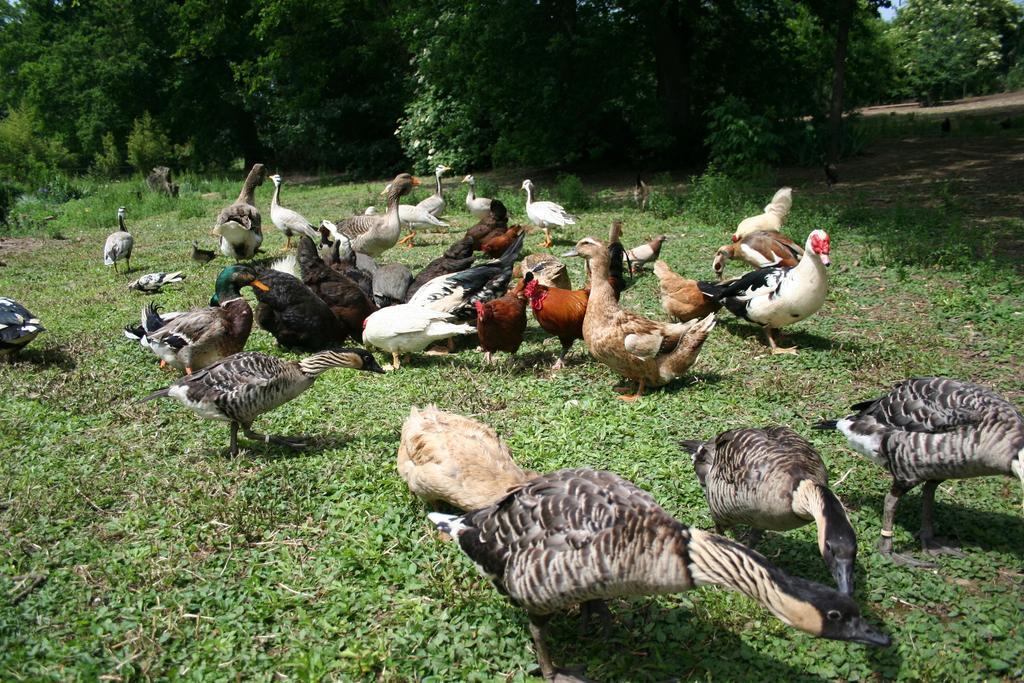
x=160 y=557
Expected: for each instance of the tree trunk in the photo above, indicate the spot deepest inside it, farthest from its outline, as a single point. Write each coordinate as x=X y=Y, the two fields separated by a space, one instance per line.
x=671 y=27
x=844 y=17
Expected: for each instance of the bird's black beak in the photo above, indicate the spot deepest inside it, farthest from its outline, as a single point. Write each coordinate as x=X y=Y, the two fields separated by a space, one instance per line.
x=859 y=631
x=843 y=574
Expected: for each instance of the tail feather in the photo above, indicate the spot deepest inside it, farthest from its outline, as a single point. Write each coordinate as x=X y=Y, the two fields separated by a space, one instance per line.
x=825 y=424
x=151 y=320
x=447 y=524
x=690 y=445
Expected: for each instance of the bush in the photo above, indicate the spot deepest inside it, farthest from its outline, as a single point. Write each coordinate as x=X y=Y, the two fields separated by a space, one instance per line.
x=570 y=192
x=740 y=142
x=437 y=129
x=26 y=157
x=8 y=195
x=714 y=197
x=148 y=145
x=107 y=162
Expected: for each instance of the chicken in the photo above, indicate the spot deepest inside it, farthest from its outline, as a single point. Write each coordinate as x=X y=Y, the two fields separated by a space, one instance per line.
x=501 y=323
x=682 y=298
x=496 y=246
x=773 y=217
x=759 y=249
x=640 y=256
x=493 y=224
x=559 y=311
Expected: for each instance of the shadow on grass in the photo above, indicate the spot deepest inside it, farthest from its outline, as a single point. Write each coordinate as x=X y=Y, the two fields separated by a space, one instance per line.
x=800 y=339
x=46 y=357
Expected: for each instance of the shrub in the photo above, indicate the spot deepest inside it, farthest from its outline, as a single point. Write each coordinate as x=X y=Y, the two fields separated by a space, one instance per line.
x=740 y=142
x=570 y=192
x=107 y=162
x=148 y=145
x=26 y=156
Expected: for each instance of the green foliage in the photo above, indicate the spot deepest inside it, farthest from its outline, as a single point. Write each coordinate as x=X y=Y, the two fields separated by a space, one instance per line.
x=107 y=162
x=952 y=48
x=438 y=129
x=739 y=141
x=148 y=145
x=27 y=156
x=571 y=193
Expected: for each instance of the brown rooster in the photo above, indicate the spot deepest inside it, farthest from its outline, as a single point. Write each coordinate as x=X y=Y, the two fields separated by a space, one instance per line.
x=496 y=246
x=501 y=323
x=559 y=311
x=680 y=297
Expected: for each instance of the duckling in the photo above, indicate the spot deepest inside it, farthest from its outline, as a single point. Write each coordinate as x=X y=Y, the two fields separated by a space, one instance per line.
x=650 y=352
x=240 y=388
x=202 y=336
x=584 y=536
x=201 y=255
x=18 y=327
x=772 y=478
x=452 y=459
x=240 y=226
x=119 y=244
x=151 y=283
x=930 y=429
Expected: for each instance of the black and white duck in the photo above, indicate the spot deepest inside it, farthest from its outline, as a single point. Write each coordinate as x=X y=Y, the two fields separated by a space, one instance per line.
x=18 y=327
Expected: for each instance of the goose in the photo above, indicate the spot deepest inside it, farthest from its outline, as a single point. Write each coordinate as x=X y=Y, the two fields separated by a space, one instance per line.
x=434 y=204
x=194 y=339
x=759 y=249
x=584 y=536
x=545 y=215
x=18 y=327
x=289 y=222
x=241 y=387
x=649 y=352
x=152 y=282
x=478 y=206
x=239 y=226
x=930 y=429
x=416 y=218
x=119 y=244
x=408 y=328
x=775 y=296
x=773 y=216
x=772 y=478
x=449 y=458
x=343 y=297
x=331 y=240
x=373 y=235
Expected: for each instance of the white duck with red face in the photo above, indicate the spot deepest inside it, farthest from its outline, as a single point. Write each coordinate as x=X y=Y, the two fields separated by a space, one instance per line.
x=774 y=297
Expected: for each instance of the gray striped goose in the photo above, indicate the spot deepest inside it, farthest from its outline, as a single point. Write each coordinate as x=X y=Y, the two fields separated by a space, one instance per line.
x=240 y=388
x=772 y=478
x=373 y=235
x=582 y=536
x=930 y=429
x=119 y=244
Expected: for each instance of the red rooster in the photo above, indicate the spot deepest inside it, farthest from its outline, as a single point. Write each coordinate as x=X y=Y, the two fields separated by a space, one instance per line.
x=559 y=311
x=496 y=246
x=500 y=324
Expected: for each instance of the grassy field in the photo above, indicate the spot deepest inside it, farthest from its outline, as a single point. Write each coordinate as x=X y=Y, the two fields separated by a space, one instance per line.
x=132 y=548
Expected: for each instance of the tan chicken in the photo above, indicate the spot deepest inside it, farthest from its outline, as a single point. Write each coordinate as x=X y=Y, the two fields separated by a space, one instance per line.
x=680 y=297
x=453 y=459
x=649 y=352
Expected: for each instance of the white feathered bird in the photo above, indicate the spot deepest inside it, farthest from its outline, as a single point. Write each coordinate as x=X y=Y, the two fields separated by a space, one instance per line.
x=478 y=206
x=773 y=217
x=408 y=328
x=545 y=215
x=289 y=222
x=150 y=283
x=119 y=244
x=434 y=204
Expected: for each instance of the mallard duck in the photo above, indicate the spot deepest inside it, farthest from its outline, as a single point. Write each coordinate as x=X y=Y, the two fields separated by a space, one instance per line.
x=239 y=226
x=930 y=429
x=775 y=296
x=408 y=328
x=759 y=249
x=295 y=315
x=584 y=536
x=289 y=222
x=772 y=478
x=452 y=459
x=478 y=206
x=119 y=244
x=240 y=388
x=202 y=336
x=373 y=235
x=649 y=352
x=151 y=283
x=545 y=215
x=18 y=327
x=774 y=215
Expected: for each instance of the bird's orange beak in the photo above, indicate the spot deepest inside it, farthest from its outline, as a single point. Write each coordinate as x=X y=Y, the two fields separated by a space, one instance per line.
x=415 y=181
x=259 y=285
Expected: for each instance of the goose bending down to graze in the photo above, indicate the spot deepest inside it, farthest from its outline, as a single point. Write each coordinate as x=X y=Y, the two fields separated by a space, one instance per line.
x=119 y=244
x=775 y=296
x=291 y=223
x=452 y=459
x=930 y=429
x=18 y=327
x=584 y=536
x=240 y=226
x=772 y=478
x=390 y=284
x=759 y=249
x=649 y=352
x=774 y=215
x=478 y=206
x=545 y=215
x=373 y=235
x=343 y=296
x=240 y=388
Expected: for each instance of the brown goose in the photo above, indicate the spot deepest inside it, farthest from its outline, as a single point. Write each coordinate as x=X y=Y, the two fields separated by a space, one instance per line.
x=373 y=234
x=240 y=226
x=582 y=536
x=930 y=429
x=240 y=388
x=772 y=478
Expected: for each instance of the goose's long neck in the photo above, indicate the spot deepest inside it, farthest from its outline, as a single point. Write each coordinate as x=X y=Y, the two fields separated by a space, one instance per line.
x=315 y=365
x=471 y=195
x=121 y=223
x=275 y=200
x=248 y=193
x=529 y=195
x=718 y=561
x=437 y=188
x=815 y=501
x=392 y=217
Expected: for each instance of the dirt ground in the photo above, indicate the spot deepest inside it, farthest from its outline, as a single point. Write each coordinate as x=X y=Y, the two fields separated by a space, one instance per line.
x=1004 y=104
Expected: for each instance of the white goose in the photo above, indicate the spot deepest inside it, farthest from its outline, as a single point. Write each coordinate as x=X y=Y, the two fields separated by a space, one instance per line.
x=287 y=221
x=775 y=296
x=545 y=215
x=434 y=204
x=478 y=206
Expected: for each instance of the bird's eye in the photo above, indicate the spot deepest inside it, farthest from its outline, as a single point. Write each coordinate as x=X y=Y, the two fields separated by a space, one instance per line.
x=834 y=615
